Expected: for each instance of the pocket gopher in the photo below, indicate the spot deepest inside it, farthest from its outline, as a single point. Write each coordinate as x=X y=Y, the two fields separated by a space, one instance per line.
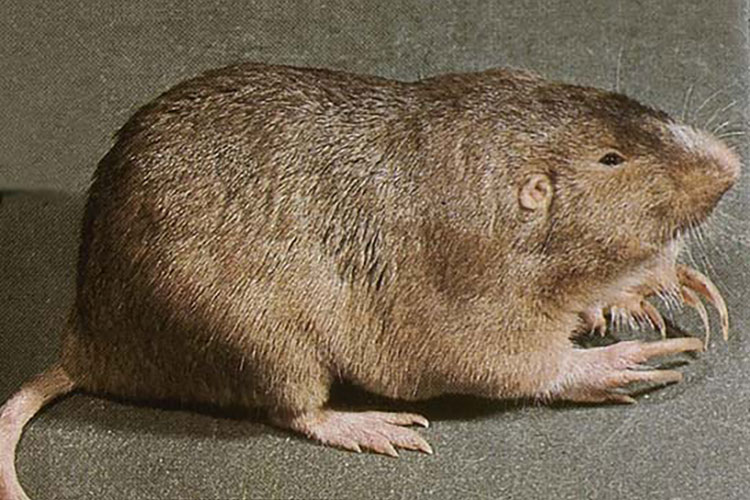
x=260 y=232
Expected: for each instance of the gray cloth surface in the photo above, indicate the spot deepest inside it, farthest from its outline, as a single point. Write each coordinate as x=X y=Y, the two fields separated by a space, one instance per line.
x=70 y=75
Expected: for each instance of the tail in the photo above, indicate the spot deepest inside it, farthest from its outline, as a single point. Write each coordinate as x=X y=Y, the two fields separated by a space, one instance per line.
x=14 y=414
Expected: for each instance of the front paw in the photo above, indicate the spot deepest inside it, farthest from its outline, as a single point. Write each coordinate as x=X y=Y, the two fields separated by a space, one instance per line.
x=633 y=307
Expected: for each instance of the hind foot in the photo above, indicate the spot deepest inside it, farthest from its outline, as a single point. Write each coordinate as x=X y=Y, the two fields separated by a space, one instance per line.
x=596 y=375
x=376 y=431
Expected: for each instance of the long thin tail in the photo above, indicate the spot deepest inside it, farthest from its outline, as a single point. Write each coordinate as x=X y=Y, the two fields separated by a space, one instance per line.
x=14 y=414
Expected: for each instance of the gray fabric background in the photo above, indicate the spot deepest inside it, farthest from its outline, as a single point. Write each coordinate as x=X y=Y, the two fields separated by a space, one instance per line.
x=70 y=74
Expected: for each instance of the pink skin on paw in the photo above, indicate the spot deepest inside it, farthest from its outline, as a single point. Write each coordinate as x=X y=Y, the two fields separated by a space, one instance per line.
x=594 y=321
x=594 y=375
x=380 y=432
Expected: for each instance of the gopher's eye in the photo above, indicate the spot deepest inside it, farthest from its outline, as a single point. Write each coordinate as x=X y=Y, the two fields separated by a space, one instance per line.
x=611 y=159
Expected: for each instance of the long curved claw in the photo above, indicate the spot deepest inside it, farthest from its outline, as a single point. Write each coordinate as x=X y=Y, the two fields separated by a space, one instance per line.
x=655 y=318
x=691 y=299
x=700 y=283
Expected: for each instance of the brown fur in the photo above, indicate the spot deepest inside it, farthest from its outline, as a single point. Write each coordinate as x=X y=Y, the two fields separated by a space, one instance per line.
x=260 y=232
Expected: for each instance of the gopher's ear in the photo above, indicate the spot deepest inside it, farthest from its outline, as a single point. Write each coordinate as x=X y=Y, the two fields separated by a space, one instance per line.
x=535 y=193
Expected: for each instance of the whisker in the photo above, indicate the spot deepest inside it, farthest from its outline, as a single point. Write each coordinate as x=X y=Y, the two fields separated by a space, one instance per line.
x=728 y=225
x=721 y=127
x=704 y=253
x=718 y=113
x=707 y=100
x=686 y=102
x=717 y=250
x=736 y=133
x=618 y=68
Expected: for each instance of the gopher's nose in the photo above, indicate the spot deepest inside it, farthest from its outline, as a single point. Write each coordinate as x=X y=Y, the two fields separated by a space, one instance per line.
x=716 y=152
x=727 y=160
